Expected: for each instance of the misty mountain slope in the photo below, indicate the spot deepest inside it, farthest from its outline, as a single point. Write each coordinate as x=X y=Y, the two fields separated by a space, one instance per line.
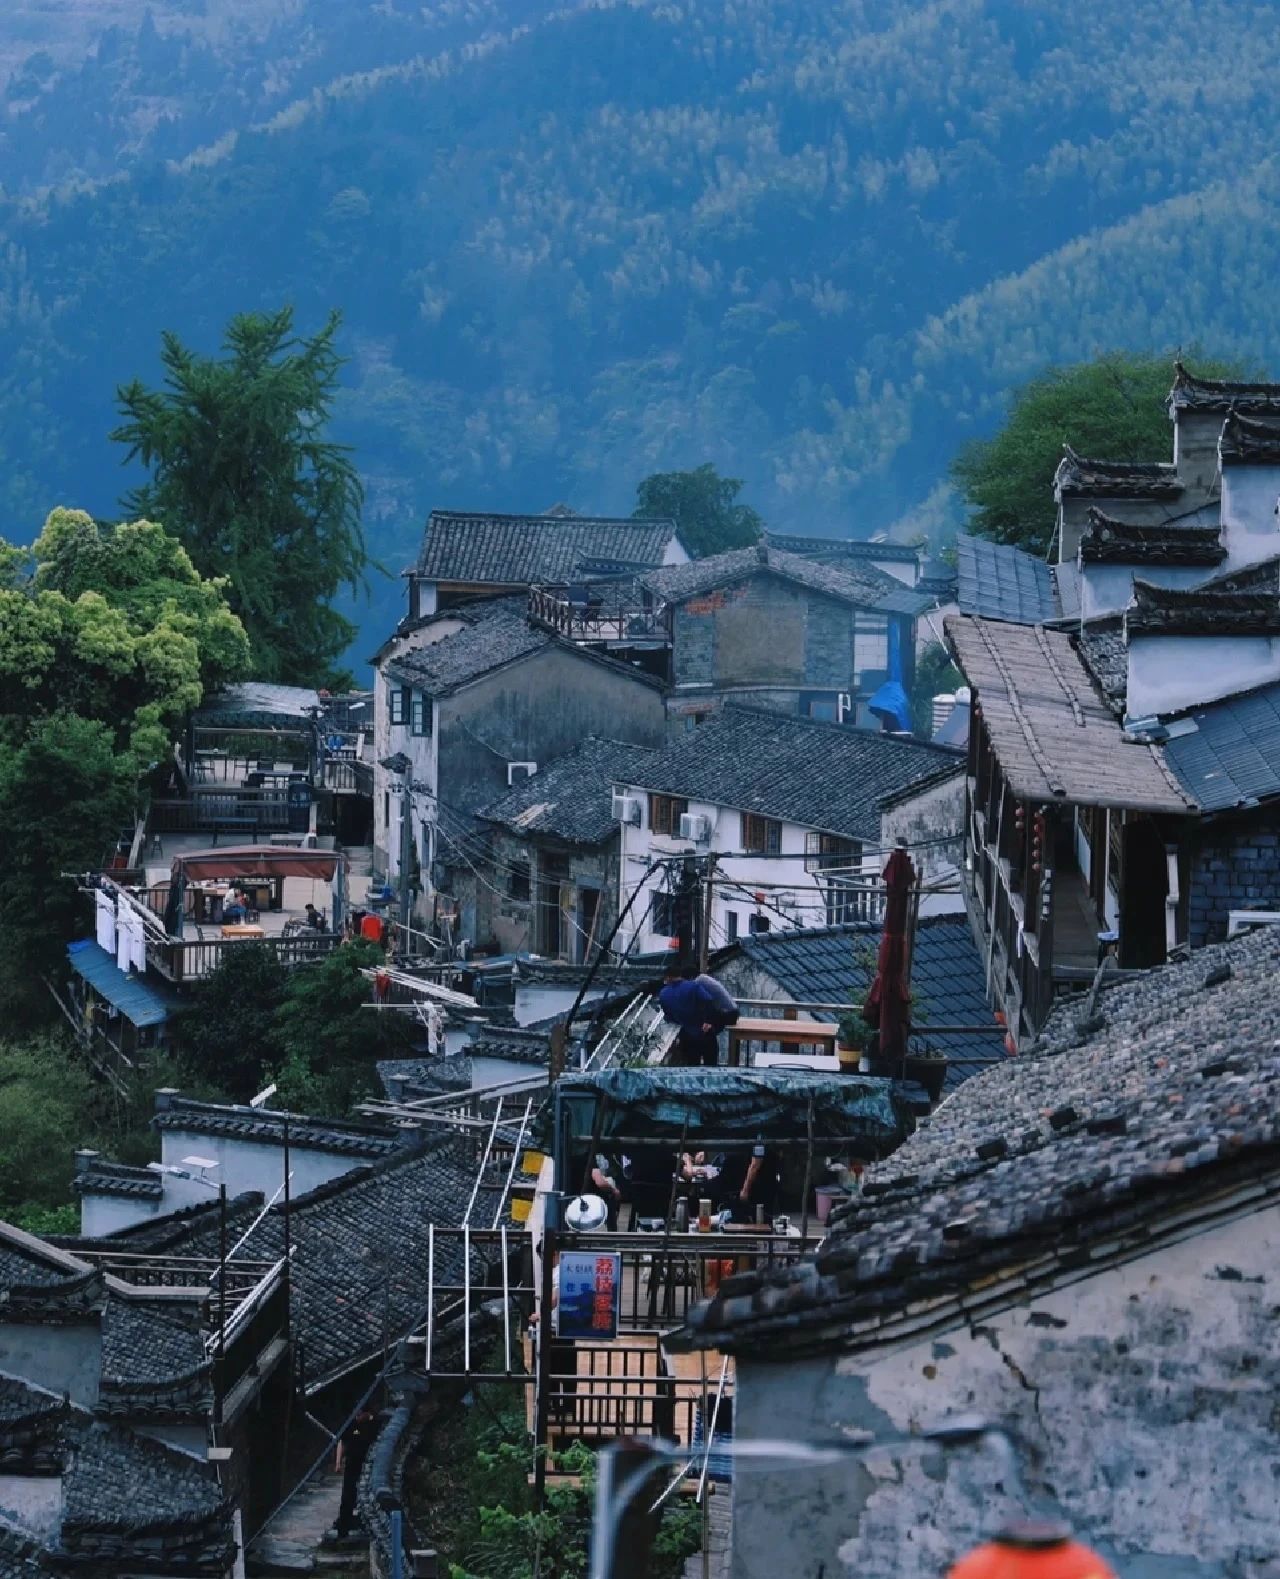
x=813 y=243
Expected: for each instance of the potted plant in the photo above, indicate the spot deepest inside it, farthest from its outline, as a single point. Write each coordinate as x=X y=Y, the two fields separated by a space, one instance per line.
x=927 y=1067
x=851 y=1038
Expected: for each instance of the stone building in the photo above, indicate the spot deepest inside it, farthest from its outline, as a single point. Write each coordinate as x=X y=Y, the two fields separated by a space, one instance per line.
x=790 y=633
x=552 y=874
x=473 y=701
x=1080 y=1245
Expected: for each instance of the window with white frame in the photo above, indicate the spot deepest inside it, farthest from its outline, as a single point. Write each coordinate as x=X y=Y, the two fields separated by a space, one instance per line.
x=399 y=704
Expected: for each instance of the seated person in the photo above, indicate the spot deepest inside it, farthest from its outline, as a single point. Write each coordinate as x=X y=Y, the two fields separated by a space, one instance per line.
x=236 y=908
x=313 y=918
x=608 y=1175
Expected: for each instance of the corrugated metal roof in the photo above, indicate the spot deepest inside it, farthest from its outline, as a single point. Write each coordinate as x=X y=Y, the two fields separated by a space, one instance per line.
x=1228 y=754
x=135 y=1000
x=1000 y=582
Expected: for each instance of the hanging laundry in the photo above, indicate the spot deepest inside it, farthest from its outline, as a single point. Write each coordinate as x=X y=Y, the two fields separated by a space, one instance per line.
x=104 y=926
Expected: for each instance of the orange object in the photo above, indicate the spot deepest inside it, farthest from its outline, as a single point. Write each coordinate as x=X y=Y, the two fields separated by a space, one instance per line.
x=371 y=928
x=1032 y=1551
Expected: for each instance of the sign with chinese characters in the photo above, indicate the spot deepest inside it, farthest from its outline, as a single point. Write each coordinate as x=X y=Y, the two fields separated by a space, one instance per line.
x=590 y=1286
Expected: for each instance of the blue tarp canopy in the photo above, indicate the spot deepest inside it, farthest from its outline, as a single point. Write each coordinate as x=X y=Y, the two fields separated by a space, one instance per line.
x=135 y=1000
x=891 y=702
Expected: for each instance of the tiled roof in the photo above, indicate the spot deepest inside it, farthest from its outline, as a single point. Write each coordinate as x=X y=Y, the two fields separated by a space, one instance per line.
x=1228 y=753
x=129 y=1504
x=136 y=1000
x=424 y=1076
x=264 y=1124
x=102 y=1177
x=1216 y=394
x=1244 y=442
x=1213 y=609
x=833 y=549
x=819 y=775
x=1055 y=739
x=258 y=699
x=1001 y=582
x=862 y=585
x=359 y=1246
x=153 y=1360
x=1094 y=479
x=1055 y=1160
x=1104 y=654
x=522 y=550
x=1107 y=541
x=571 y=799
x=495 y=633
x=838 y=964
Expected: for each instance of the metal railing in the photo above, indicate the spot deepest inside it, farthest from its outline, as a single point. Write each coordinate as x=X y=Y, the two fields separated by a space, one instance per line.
x=214 y=810
x=347 y=776
x=182 y=960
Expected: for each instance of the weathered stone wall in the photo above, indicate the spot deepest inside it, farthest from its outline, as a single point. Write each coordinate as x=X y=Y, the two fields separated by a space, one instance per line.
x=510 y=921
x=764 y=631
x=1237 y=870
x=1148 y=1391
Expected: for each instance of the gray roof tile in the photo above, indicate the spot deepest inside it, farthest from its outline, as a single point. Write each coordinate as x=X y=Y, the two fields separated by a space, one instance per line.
x=819 y=775
x=1170 y=1093
x=859 y=584
x=522 y=550
x=1000 y=582
x=495 y=633
x=838 y=964
x=1228 y=753
x=350 y=1138
x=571 y=799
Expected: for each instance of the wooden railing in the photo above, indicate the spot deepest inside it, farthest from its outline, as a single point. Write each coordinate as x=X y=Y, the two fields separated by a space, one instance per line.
x=603 y=613
x=231 y=810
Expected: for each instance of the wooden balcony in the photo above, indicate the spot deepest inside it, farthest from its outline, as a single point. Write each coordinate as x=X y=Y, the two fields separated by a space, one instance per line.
x=186 y=960
x=614 y=614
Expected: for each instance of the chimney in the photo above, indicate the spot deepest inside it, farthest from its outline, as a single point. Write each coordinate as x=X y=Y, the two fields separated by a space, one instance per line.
x=85 y=1160
x=164 y=1098
x=762 y=553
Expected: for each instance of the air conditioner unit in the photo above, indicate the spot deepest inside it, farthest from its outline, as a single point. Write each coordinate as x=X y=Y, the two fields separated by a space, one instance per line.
x=520 y=770
x=693 y=825
x=626 y=808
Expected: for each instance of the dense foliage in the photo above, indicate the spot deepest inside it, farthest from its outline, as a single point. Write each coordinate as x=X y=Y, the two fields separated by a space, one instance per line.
x=704 y=507
x=308 y=1030
x=1112 y=408
x=242 y=474
x=577 y=244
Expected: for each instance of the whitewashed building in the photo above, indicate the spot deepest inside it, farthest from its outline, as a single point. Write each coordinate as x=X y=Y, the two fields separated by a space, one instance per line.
x=798 y=814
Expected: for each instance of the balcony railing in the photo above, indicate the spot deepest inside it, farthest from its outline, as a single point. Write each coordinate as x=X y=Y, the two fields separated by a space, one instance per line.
x=599 y=613
x=182 y=960
x=347 y=776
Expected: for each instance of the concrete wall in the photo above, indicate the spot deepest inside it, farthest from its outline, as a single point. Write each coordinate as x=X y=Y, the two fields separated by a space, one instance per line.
x=1108 y=589
x=63 y=1359
x=511 y=922
x=1148 y=1389
x=1234 y=866
x=105 y=1214
x=1170 y=673
x=255 y=1164
x=1195 y=450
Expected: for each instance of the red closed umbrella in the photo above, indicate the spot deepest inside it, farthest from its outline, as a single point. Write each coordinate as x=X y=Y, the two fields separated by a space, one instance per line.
x=1029 y=1551
x=888 y=1005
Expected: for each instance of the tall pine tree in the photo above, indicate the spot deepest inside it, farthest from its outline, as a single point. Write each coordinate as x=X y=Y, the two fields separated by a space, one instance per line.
x=242 y=474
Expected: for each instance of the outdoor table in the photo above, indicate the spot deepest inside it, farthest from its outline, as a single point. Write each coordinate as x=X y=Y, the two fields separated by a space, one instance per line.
x=787 y=1033
x=243 y=929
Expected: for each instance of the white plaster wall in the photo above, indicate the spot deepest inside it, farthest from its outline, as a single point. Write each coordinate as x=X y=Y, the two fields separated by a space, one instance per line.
x=1250 y=529
x=676 y=553
x=105 y=1214
x=254 y=1165
x=1148 y=1390
x=539 y=1000
x=62 y=1359
x=797 y=901
x=33 y=1503
x=1108 y=589
x=1169 y=673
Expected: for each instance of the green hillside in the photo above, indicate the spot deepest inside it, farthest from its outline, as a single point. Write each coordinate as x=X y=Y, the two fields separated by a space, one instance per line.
x=813 y=243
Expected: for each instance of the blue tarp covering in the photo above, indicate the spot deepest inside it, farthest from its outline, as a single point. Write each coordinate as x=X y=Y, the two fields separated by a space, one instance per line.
x=134 y=999
x=891 y=702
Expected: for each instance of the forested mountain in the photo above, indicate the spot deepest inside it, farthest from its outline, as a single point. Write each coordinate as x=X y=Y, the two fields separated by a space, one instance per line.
x=812 y=241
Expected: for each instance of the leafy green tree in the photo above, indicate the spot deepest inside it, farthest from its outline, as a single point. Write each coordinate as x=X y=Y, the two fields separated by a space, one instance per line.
x=935 y=673
x=46 y=1110
x=65 y=793
x=704 y=507
x=241 y=472
x=1112 y=409
x=226 y=1035
x=115 y=624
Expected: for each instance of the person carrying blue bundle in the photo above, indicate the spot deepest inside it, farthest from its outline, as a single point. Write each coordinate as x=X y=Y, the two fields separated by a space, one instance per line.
x=701 y=1007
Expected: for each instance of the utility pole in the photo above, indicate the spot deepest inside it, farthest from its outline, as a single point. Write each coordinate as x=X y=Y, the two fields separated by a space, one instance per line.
x=708 y=901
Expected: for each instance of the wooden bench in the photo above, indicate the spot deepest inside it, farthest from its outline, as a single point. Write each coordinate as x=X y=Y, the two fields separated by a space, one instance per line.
x=233 y=824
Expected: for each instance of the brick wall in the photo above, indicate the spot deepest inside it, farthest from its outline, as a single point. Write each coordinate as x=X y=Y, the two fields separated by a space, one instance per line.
x=767 y=631
x=1237 y=870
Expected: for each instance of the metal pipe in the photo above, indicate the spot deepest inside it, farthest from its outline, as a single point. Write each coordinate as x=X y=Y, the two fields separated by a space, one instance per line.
x=397 y=1544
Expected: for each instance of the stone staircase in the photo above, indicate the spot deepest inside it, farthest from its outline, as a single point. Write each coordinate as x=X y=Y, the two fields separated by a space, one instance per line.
x=719 y=1537
x=291 y=1541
